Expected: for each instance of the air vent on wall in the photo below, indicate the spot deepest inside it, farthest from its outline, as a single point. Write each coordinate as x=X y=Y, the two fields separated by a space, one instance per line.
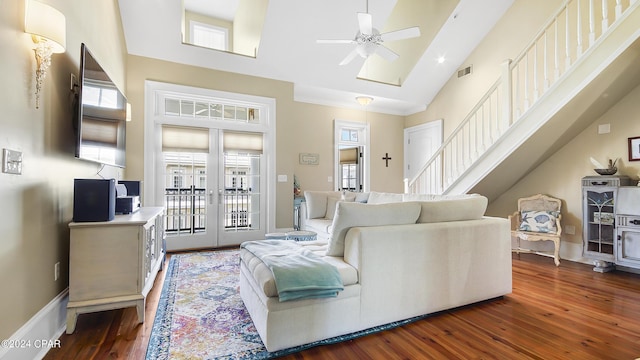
x=465 y=71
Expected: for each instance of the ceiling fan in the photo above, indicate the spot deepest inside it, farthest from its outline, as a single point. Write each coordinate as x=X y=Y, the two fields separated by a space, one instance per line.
x=369 y=40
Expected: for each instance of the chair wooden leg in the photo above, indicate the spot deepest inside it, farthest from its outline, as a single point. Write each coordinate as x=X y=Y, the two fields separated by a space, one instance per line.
x=556 y=252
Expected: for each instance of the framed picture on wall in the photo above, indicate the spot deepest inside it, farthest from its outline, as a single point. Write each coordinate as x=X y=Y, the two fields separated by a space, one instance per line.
x=634 y=148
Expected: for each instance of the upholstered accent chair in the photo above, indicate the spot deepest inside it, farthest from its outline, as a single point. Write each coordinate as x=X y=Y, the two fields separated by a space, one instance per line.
x=537 y=219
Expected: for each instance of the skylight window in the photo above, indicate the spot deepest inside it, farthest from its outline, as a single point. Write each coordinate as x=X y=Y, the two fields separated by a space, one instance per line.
x=210 y=36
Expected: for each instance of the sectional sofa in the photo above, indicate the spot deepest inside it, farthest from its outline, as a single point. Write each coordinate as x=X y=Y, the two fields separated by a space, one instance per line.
x=397 y=260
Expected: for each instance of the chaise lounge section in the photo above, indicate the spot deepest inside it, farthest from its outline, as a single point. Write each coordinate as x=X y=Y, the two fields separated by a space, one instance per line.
x=396 y=261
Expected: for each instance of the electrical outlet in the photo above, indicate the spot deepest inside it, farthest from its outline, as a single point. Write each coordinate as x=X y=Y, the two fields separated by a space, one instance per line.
x=56 y=271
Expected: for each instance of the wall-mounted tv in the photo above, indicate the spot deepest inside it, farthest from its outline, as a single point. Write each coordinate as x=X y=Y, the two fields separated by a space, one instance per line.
x=101 y=115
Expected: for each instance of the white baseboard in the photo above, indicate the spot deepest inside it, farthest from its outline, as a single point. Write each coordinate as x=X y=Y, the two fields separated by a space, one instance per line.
x=567 y=248
x=41 y=333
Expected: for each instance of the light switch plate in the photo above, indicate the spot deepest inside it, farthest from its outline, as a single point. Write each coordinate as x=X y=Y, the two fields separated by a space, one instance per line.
x=282 y=178
x=11 y=162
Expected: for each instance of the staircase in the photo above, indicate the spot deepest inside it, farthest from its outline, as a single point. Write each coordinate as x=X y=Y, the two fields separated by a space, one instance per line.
x=579 y=64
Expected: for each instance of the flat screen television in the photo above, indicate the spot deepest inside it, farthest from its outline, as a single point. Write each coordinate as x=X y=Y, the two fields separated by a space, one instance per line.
x=101 y=114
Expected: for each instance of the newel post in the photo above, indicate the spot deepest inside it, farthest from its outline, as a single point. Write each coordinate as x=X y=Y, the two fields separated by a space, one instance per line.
x=507 y=94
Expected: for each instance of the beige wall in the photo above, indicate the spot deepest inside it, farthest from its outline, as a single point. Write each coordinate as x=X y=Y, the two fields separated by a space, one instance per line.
x=315 y=135
x=560 y=175
x=506 y=40
x=300 y=127
x=37 y=205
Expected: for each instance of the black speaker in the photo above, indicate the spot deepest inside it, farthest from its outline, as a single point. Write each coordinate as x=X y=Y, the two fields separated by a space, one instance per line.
x=133 y=187
x=94 y=200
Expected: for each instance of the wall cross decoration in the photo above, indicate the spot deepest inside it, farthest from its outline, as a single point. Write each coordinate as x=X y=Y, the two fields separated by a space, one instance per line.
x=386 y=159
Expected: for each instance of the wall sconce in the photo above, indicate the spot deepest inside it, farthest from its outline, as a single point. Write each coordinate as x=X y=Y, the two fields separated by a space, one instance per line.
x=47 y=27
x=364 y=100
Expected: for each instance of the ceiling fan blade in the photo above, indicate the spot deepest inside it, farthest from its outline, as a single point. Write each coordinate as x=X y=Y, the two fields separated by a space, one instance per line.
x=338 y=41
x=401 y=34
x=349 y=57
x=386 y=53
x=365 y=23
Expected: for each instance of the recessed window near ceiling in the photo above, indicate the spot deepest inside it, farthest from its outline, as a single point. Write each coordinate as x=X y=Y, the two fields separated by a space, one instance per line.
x=210 y=36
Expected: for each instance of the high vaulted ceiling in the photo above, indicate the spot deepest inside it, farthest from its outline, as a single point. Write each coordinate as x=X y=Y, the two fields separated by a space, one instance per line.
x=288 y=50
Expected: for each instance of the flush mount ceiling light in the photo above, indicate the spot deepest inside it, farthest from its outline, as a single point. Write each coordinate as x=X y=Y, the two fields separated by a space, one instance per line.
x=364 y=100
x=47 y=27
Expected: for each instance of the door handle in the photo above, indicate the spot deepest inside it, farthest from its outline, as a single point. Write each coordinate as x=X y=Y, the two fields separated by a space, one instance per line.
x=210 y=197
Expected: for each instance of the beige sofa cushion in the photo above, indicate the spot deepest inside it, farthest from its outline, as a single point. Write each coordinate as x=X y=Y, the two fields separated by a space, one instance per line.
x=264 y=277
x=453 y=208
x=350 y=214
x=383 y=198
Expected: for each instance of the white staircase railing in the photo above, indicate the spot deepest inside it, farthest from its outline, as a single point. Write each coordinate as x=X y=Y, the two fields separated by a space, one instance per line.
x=543 y=63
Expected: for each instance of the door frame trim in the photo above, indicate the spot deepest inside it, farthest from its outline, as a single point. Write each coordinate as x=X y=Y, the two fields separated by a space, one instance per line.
x=338 y=124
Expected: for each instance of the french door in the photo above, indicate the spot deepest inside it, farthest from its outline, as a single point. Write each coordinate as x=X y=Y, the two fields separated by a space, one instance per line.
x=208 y=158
x=212 y=188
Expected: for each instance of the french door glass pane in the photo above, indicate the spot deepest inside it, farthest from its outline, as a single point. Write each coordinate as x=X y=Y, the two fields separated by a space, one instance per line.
x=185 y=193
x=241 y=208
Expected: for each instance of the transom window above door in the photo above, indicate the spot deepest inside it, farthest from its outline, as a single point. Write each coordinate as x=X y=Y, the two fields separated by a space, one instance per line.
x=211 y=110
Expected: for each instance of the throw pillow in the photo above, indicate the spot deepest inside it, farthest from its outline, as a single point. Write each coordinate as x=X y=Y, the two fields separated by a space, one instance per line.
x=348 y=196
x=360 y=197
x=316 y=204
x=539 y=221
x=331 y=207
x=352 y=214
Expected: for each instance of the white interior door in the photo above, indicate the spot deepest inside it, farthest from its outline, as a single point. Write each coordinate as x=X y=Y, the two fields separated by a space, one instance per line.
x=420 y=142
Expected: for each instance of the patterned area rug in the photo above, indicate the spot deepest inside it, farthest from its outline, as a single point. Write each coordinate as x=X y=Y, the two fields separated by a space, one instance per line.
x=201 y=315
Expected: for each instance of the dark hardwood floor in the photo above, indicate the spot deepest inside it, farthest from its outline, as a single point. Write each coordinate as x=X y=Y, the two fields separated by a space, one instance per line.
x=565 y=312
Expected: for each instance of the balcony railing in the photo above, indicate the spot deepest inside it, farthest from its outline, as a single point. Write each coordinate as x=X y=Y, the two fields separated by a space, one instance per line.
x=186 y=210
x=573 y=29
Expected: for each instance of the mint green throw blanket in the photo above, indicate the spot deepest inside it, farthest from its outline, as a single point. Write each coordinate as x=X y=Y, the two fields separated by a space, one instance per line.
x=298 y=272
